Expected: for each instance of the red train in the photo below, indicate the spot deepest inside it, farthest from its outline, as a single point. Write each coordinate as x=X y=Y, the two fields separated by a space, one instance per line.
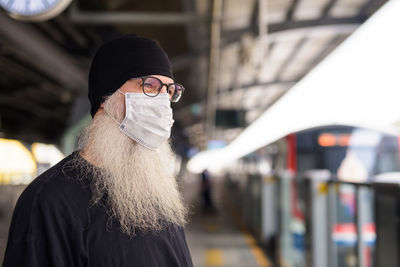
x=308 y=196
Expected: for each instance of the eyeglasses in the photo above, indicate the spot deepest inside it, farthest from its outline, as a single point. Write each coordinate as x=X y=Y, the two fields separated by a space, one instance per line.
x=152 y=87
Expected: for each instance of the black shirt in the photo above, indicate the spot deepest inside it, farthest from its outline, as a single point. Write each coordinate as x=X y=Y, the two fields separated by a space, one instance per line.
x=54 y=224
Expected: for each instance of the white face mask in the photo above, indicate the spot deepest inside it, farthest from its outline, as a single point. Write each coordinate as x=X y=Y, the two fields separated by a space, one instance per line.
x=148 y=120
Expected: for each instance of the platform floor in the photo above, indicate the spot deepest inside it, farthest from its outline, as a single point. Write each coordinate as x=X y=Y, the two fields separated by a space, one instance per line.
x=217 y=239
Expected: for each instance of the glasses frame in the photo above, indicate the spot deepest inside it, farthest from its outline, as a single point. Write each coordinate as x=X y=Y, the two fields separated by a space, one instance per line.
x=160 y=88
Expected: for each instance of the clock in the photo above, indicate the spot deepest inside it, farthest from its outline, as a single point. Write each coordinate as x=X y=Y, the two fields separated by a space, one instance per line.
x=34 y=10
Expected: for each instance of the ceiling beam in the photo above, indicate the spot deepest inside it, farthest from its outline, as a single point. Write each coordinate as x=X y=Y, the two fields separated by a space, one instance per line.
x=264 y=106
x=247 y=89
x=27 y=106
x=290 y=25
x=370 y=7
x=13 y=67
x=327 y=8
x=148 y=18
x=325 y=52
x=254 y=84
x=290 y=57
x=291 y=10
x=43 y=54
x=340 y=25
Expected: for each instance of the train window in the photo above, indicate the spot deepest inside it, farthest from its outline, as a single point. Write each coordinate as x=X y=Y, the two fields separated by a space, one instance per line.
x=304 y=140
x=306 y=161
x=388 y=161
x=366 y=155
x=332 y=158
x=388 y=158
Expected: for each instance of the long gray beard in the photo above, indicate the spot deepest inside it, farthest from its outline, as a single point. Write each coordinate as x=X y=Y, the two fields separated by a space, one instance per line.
x=142 y=192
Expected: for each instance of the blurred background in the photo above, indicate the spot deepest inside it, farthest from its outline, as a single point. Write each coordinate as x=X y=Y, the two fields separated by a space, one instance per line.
x=286 y=138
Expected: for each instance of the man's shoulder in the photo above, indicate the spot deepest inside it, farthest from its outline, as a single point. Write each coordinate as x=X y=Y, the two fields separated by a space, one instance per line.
x=59 y=183
x=54 y=201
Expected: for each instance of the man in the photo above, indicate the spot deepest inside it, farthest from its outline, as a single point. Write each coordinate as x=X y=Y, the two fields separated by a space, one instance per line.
x=116 y=201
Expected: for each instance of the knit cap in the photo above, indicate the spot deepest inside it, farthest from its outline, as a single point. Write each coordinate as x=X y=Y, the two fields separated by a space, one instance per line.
x=118 y=60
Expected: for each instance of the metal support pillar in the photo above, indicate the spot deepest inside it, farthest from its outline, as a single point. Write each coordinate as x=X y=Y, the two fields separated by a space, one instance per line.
x=215 y=42
x=262 y=43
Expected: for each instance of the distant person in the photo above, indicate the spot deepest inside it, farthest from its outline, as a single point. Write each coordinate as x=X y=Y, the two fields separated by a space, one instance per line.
x=208 y=205
x=114 y=203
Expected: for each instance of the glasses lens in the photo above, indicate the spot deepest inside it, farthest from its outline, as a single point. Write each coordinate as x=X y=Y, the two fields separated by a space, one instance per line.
x=175 y=91
x=151 y=86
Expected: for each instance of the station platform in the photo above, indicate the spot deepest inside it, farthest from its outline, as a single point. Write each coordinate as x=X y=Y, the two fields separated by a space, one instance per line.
x=218 y=238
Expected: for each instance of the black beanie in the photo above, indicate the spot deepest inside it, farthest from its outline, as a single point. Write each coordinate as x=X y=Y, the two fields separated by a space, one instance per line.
x=120 y=59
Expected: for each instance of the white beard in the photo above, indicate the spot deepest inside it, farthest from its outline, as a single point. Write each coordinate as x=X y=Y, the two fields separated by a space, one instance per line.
x=141 y=189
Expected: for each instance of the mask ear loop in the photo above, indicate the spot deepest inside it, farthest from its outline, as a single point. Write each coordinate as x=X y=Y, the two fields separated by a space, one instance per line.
x=117 y=122
x=109 y=115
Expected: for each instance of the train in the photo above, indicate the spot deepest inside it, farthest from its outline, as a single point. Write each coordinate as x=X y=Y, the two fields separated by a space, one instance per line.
x=309 y=197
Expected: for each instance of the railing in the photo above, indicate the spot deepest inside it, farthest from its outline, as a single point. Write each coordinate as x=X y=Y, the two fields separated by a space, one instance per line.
x=314 y=220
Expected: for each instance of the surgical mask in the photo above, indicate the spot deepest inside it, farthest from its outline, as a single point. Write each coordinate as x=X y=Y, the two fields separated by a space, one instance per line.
x=148 y=120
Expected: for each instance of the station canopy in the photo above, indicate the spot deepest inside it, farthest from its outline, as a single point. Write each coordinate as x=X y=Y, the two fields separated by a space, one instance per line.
x=358 y=84
x=265 y=47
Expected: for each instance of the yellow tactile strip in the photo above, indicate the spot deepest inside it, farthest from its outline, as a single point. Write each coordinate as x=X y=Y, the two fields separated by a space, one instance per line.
x=214 y=257
x=251 y=242
x=256 y=250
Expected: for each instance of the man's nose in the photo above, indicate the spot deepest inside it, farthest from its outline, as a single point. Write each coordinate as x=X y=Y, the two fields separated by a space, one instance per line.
x=164 y=88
